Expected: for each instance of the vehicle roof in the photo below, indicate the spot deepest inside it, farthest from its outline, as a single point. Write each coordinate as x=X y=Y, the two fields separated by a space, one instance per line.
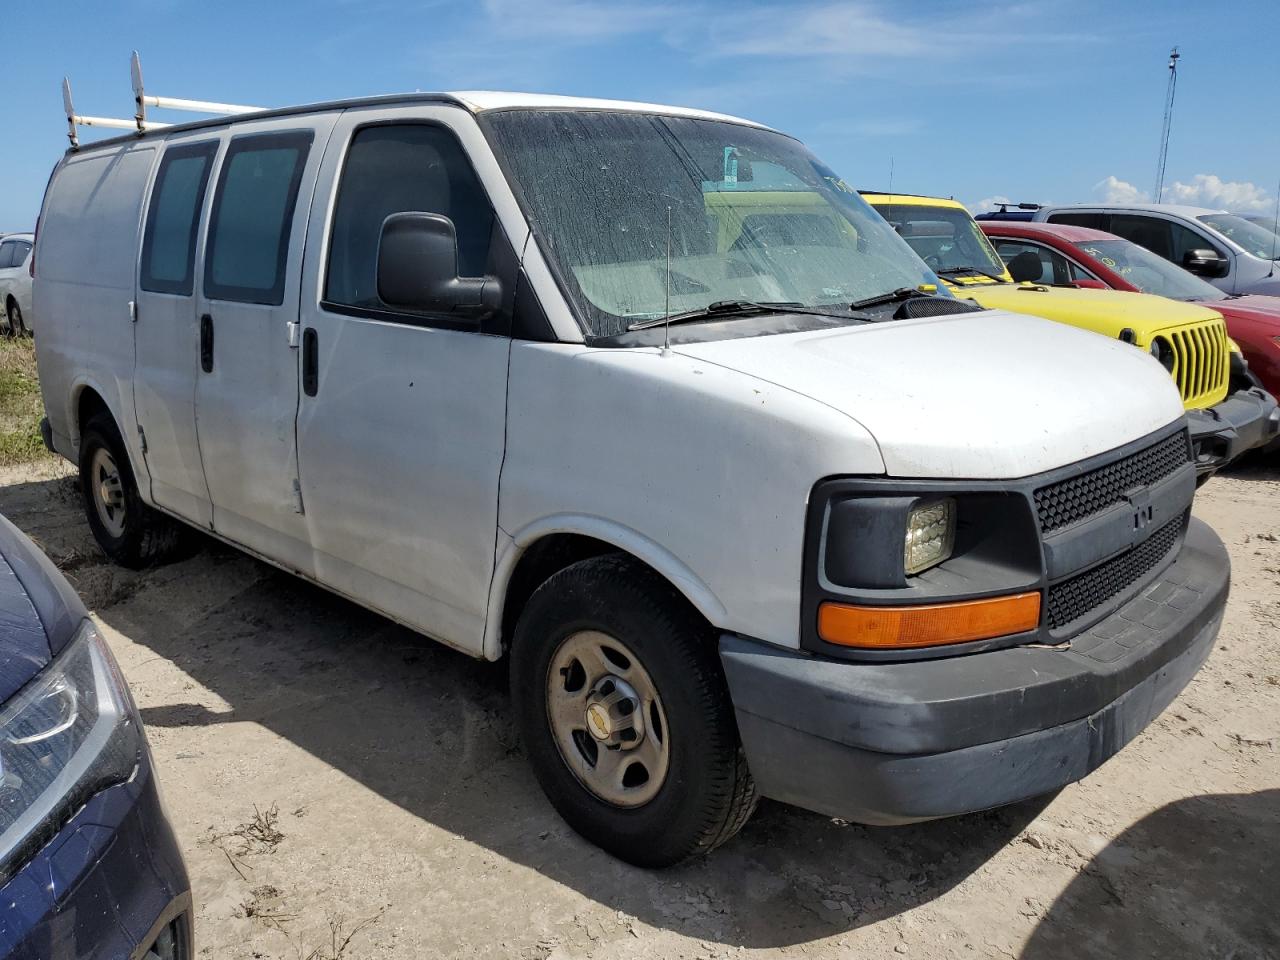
x=1030 y=229
x=476 y=101
x=1176 y=209
x=17 y=236
x=910 y=199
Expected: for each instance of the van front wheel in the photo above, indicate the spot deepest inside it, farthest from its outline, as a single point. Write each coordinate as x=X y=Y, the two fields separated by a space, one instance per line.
x=129 y=532
x=618 y=693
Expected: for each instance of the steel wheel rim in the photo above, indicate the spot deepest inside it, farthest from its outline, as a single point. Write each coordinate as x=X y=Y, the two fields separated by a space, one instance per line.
x=607 y=719
x=106 y=487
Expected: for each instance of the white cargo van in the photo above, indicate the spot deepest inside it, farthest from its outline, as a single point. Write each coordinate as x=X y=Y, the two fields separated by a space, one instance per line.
x=649 y=402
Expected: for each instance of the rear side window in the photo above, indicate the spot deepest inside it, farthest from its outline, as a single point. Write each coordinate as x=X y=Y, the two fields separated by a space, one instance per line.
x=252 y=214
x=169 y=243
x=1094 y=221
x=21 y=249
x=399 y=168
x=7 y=251
x=1150 y=232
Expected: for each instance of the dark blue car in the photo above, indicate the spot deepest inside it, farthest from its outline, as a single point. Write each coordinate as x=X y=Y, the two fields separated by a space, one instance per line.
x=88 y=861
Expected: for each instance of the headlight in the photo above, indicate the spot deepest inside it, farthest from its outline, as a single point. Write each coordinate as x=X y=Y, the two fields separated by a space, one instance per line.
x=67 y=735
x=931 y=535
x=1162 y=350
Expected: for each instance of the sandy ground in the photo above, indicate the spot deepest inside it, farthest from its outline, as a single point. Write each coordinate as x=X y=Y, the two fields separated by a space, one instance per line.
x=325 y=769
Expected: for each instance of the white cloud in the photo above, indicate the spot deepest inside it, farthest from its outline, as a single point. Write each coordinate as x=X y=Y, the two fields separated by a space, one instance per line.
x=1210 y=190
x=846 y=29
x=988 y=203
x=1204 y=190
x=1114 y=190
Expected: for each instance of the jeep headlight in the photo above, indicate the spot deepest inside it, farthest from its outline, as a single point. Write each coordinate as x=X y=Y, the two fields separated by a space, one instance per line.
x=67 y=735
x=1162 y=350
x=931 y=535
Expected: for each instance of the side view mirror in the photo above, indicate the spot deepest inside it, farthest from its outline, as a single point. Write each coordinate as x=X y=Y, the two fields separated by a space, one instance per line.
x=1088 y=283
x=1206 y=263
x=1025 y=266
x=418 y=269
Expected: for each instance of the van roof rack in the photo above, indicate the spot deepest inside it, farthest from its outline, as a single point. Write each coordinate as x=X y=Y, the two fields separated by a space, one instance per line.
x=141 y=100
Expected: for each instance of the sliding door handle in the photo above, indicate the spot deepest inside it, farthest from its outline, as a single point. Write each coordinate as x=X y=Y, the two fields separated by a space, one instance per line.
x=310 y=362
x=206 y=343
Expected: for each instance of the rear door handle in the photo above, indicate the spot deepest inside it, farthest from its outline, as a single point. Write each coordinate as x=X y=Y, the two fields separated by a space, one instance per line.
x=310 y=362
x=206 y=343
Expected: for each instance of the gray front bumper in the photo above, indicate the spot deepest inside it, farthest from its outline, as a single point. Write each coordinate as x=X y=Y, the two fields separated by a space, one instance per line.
x=888 y=743
x=1245 y=420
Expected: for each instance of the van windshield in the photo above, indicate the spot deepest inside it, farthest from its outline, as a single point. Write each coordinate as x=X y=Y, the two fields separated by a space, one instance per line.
x=752 y=216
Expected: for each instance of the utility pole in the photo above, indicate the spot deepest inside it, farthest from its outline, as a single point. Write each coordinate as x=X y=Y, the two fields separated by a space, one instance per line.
x=1174 y=57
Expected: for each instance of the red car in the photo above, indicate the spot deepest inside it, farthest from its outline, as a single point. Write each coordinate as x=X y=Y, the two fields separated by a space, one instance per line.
x=1061 y=255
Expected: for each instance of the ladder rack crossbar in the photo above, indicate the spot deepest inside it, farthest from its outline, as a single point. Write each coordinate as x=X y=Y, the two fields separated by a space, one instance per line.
x=114 y=123
x=196 y=106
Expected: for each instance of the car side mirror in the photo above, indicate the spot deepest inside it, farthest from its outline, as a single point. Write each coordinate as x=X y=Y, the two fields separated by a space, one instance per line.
x=418 y=269
x=1088 y=283
x=1025 y=266
x=1206 y=263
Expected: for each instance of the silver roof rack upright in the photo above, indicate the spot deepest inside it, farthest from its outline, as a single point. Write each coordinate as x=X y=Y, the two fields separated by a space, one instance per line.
x=141 y=100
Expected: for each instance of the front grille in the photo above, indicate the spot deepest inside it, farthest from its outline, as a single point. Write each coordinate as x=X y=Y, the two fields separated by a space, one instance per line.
x=1201 y=363
x=1085 y=592
x=1068 y=501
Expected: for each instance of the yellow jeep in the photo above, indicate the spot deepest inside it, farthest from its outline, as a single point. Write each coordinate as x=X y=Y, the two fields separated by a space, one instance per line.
x=1182 y=336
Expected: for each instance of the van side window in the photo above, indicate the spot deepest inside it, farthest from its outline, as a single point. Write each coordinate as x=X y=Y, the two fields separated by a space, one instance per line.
x=252 y=215
x=169 y=243
x=394 y=169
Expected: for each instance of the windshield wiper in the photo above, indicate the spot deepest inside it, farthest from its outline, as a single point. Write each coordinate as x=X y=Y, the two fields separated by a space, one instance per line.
x=731 y=308
x=893 y=296
x=957 y=271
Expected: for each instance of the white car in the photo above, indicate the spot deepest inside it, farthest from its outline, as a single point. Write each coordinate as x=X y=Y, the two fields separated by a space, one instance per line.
x=1236 y=255
x=649 y=402
x=15 y=283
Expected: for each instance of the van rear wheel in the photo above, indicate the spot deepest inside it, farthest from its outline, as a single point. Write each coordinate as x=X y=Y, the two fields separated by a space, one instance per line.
x=129 y=532
x=626 y=718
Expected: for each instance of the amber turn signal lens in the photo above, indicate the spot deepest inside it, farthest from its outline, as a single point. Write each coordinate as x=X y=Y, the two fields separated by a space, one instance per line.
x=906 y=628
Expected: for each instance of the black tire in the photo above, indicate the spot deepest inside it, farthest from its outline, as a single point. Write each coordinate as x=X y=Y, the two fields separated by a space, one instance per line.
x=708 y=793
x=148 y=537
x=17 y=327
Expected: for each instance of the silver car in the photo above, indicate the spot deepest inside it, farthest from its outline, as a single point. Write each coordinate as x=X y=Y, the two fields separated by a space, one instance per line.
x=15 y=283
x=1234 y=254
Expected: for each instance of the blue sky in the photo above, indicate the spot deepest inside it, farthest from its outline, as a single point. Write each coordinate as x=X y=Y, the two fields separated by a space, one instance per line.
x=1030 y=100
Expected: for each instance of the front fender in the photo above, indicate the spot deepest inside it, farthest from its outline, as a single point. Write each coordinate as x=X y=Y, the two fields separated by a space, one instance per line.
x=513 y=546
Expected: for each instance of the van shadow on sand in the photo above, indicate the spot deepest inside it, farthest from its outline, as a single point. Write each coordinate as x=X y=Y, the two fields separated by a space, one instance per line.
x=1197 y=878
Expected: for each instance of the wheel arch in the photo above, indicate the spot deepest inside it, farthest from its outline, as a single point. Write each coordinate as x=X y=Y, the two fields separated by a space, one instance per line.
x=547 y=546
x=87 y=401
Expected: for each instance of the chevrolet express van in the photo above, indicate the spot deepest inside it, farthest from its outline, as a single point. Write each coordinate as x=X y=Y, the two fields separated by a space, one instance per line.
x=748 y=504
x=1227 y=413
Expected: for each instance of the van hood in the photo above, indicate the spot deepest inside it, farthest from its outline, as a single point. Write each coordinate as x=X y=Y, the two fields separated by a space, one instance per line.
x=1102 y=311
x=987 y=395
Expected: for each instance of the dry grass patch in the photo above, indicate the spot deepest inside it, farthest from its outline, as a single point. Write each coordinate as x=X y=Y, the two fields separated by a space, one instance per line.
x=20 y=404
